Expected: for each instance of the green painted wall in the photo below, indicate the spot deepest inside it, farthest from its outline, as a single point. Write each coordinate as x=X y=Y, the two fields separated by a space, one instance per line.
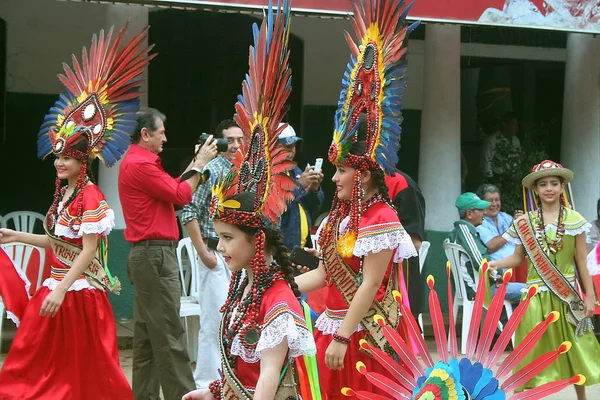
x=435 y=264
x=123 y=304
x=118 y=252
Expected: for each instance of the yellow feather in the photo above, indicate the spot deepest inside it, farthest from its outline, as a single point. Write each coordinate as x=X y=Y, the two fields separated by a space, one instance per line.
x=234 y=204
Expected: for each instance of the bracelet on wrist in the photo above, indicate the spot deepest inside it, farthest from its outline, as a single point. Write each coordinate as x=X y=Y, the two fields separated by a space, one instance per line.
x=215 y=389
x=341 y=339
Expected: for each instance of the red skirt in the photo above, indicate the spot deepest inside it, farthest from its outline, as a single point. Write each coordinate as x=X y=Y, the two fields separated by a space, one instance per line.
x=332 y=381
x=71 y=356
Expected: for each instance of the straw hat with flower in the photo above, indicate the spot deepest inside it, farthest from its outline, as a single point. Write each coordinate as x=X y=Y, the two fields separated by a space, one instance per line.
x=544 y=169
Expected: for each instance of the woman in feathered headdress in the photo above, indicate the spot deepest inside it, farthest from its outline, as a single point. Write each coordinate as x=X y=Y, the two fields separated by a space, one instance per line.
x=262 y=329
x=65 y=347
x=362 y=236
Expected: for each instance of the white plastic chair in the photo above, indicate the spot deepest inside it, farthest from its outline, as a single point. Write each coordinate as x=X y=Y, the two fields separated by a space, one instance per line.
x=453 y=252
x=23 y=221
x=422 y=256
x=184 y=232
x=20 y=254
x=190 y=306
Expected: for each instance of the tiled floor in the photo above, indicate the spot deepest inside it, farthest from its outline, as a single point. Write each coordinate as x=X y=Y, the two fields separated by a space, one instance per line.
x=125 y=332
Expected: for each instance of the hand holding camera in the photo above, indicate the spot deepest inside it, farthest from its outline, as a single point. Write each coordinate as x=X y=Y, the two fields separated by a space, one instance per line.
x=206 y=150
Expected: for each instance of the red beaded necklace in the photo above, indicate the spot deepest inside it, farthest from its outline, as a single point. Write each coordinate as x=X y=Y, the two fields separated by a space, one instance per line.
x=241 y=311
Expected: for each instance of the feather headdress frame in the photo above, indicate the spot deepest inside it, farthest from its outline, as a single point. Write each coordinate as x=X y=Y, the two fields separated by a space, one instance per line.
x=261 y=165
x=101 y=98
x=373 y=83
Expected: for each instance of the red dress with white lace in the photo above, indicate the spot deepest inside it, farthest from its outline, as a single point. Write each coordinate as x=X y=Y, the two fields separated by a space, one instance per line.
x=73 y=355
x=280 y=316
x=379 y=229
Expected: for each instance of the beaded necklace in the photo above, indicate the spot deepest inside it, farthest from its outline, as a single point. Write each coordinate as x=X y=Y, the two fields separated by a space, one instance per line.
x=330 y=233
x=550 y=247
x=246 y=309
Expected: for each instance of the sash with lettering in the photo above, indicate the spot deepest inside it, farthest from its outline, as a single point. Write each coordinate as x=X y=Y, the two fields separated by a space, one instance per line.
x=552 y=277
x=344 y=278
x=232 y=388
x=95 y=274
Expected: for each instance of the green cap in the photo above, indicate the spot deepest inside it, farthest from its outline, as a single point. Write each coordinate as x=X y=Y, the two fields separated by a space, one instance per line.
x=469 y=200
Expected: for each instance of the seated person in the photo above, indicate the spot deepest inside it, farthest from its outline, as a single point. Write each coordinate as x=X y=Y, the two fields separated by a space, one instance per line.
x=471 y=210
x=494 y=224
x=594 y=235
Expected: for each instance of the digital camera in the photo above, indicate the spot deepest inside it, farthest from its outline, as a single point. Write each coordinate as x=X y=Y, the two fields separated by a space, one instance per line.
x=222 y=143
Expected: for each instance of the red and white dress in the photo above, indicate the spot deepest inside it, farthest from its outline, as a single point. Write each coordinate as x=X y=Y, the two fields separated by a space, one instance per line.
x=379 y=229
x=280 y=316
x=73 y=355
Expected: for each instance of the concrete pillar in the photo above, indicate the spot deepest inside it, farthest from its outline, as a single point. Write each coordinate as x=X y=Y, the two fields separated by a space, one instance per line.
x=439 y=159
x=108 y=178
x=580 y=144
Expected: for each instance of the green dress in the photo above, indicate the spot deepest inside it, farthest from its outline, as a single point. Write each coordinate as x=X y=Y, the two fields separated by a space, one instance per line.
x=584 y=357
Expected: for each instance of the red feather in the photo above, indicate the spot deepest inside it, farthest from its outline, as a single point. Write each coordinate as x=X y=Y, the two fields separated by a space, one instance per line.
x=451 y=323
x=438 y=321
x=526 y=345
x=477 y=310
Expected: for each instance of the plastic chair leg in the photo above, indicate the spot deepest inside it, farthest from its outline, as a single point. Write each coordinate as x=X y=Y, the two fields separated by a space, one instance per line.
x=466 y=323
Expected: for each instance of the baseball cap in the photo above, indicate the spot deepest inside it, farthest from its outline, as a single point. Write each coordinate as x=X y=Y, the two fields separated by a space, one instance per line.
x=288 y=136
x=470 y=200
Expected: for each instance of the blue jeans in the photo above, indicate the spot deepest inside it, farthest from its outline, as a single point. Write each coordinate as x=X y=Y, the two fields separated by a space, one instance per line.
x=513 y=292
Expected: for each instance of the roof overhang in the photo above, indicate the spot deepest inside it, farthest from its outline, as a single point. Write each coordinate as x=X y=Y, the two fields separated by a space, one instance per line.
x=579 y=16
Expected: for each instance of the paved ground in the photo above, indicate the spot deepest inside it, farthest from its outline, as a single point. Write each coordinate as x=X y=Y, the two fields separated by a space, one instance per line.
x=124 y=333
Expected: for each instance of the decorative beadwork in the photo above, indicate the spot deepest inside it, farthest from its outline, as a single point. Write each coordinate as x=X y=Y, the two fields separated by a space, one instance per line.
x=341 y=339
x=550 y=247
x=215 y=389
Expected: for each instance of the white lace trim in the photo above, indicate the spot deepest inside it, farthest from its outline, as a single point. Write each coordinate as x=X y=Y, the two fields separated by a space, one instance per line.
x=329 y=326
x=300 y=340
x=511 y=239
x=585 y=228
x=13 y=318
x=102 y=227
x=399 y=240
x=79 y=284
x=22 y=276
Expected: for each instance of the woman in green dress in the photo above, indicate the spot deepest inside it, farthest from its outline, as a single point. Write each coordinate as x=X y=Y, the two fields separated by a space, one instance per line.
x=553 y=239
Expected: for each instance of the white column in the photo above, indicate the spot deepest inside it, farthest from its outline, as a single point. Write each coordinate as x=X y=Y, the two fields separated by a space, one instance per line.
x=580 y=144
x=108 y=178
x=439 y=159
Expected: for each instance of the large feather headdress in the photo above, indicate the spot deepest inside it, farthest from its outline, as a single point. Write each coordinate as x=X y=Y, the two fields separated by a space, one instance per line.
x=261 y=166
x=259 y=173
x=373 y=83
x=371 y=97
x=101 y=99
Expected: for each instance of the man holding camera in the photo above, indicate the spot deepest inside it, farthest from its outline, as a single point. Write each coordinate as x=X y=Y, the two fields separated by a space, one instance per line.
x=147 y=195
x=296 y=222
x=213 y=272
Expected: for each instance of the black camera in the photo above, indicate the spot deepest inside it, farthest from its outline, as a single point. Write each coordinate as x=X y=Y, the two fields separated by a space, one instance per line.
x=222 y=143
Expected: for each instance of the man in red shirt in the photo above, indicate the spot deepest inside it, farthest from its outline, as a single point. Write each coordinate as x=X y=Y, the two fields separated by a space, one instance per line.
x=147 y=195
